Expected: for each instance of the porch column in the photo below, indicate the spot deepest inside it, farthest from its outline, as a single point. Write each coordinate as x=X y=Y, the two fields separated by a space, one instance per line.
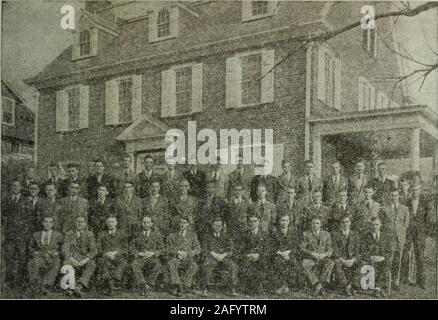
x=414 y=151
x=435 y=161
x=316 y=154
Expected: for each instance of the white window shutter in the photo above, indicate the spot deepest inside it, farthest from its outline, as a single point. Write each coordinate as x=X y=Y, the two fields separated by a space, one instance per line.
x=372 y=97
x=153 y=31
x=75 y=47
x=360 y=94
x=111 y=102
x=380 y=104
x=136 y=96
x=338 y=84
x=174 y=21
x=376 y=42
x=168 y=96
x=84 y=106
x=267 y=82
x=246 y=10
x=320 y=90
x=93 y=41
x=61 y=111
x=197 y=87
x=234 y=82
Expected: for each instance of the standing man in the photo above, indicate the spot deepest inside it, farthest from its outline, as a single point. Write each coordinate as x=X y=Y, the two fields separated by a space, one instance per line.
x=241 y=177
x=339 y=210
x=267 y=180
x=126 y=174
x=219 y=179
x=264 y=209
x=35 y=208
x=395 y=218
x=404 y=190
x=72 y=176
x=183 y=205
x=146 y=177
x=333 y=184
x=316 y=248
x=169 y=180
x=315 y=209
x=284 y=180
x=236 y=214
x=289 y=204
x=100 y=208
x=28 y=179
x=308 y=183
x=197 y=180
x=182 y=247
x=100 y=178
x=45 y=262
x=72 y=207
x=128 y=210
x=53 y=178
x=156 y=206
x=112 y=248
x=51 y=206
x=382 y=185
x=365 y=210
x=357 y=183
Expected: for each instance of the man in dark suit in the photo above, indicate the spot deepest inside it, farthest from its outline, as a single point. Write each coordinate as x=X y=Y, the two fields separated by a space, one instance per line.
x=365 y=210
x=357 y=183
x=220 y=180
x=112 y=246
x=183 y=205
x=404 y=190
x=290 y=205
x=182 y=247
x=100 y=208
x=307 y=183
x=146 y=248
x=128 y=210
x=236 y=214
x=79 y=251
x=340 y=209
x=316 y=249
x=146 y=177
x=45 y=262
x=253 y=257
x=100 y=178
x=28 y=179
x=382 y=185
x=217 y=251
x=284 y=251
x=72 y=207
x=51 y=205
x=170 y=180
x=284 y=180
x=265 y=209
x=241 y=176
x=72 y=176
x=376 y=250
x=347 y=258
x=315 y=209
x=125 y=174
x=333 y=184
x=421 y=215
x=157 y=207
x=265 y=179
x=53 y=178
x=197 y=180
x=35 y=208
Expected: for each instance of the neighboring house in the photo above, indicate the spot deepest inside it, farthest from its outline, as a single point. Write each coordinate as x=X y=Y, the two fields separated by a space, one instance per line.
x=137 y=69
x=18 y=125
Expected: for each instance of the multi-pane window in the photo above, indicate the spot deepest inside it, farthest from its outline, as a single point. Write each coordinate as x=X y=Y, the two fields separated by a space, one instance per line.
x=84 y=42
x=183 y=90
x=163 y=23
x=259 y=8
x=125 y=100
x=329 y=80
x=8 y=109
x=74 y=103
x=251 y=79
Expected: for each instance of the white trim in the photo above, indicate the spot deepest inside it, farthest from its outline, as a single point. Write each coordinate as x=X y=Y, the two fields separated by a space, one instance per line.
x=13 y=112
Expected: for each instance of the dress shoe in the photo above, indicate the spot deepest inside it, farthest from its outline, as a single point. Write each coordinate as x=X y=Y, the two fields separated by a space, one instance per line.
x=348 y=291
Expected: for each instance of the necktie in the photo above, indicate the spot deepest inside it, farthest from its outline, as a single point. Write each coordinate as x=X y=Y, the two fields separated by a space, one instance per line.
x=310 y=182
x=46 y=239
x=78 y=234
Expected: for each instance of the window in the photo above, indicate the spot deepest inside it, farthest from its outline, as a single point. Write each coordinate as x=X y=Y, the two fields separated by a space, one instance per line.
x=73 y=108
x=84 y=43
x=163 y=23
x=251 y=83
x=329 y=80
x=8 y=111
x=252 y=10
x=183 y=90
x=369 y=41
x=366 y=95
x=259 y=8
x=125 y=100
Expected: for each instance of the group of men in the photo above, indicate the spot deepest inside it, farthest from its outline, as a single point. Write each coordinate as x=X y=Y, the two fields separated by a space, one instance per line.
x=188 y=231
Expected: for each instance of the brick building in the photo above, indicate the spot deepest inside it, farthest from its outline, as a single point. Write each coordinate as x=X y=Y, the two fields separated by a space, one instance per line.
x=137 y=69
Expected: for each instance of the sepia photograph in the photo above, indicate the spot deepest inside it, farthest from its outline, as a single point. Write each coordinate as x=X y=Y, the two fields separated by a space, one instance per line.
x=219 y=150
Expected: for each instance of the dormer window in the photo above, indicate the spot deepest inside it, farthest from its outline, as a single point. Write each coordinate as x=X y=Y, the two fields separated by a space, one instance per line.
x=163 y=23
x=84 y=42
x=253 y=10
x=8 y=111
x=259 y=8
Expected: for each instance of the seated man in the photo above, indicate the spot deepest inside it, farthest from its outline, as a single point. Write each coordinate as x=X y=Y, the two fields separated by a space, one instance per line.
x=284 y=248
x=182 y=247
x=146 y=248
x=316 y=248
x=217 y=250
x=253 y=257
x=346 y=255
x=43 y=267
x=112 y=246
x=376 y=249
x=79 y=251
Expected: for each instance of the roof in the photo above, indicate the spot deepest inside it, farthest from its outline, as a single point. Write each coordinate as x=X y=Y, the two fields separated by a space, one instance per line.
x=7 y=86
x=219 y=24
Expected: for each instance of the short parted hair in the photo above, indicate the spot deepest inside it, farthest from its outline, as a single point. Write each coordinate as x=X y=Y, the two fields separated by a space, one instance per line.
x=99 y=160
x=148 y=156
x=283 y=214
x=111 y=216
x=147 y=216
x=345 y=216
x=375 y=218
x=73 y=165
x=308 y=161
x=284 y=161
x=369 y=186
x=253 y=214
x=217 y=219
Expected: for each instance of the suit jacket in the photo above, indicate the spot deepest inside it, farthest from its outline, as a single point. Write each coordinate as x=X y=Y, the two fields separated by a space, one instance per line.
x=115 y=242
x=371 y=247
x=144 y=183
x=281 y=242
x=403 y=197
x=207 y=210
x=52 y=209
x=142 y=243
x=175 y=242
x=25 y=184
x=309 y=212
x=295 y=213
x=304 y=190
x=311 y=243
x=423 y=218
x=128 y=214
x=53 y=249
x=267 y=214
x=79 y=248
x=16 y=222
x=221 y=244
x=336 y=215
x=35 y=214
x=362 y=219
x=169 y=185
x=396 y=222
x=183 y=208
x=258 y=243
x=270 y=183
x=98 y=213
x=159 y=213
x=220 y=183
x=56 y=181
x=197 y=183
x=382 y=189
x=346 y=247
x=93 y=184
x=236 y=178
x=64 y=185
x=236 y=217
x=121 y=177
x=70 y=210
x=356 y=188
x=331 y=189
x=282 y=184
